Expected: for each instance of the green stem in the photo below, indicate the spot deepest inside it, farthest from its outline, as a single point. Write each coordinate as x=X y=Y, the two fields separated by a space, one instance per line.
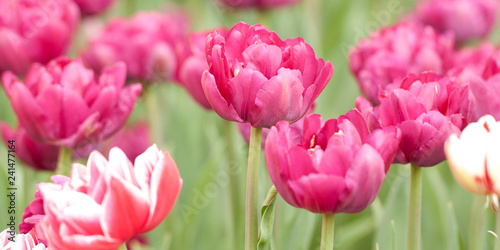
x=251 y=209
x=123 y=247
x=234 y=186
x=497 y=240
x=415 y=209
x=155 y=125
x=327 y=231
x=64 y=161
x=476 y=227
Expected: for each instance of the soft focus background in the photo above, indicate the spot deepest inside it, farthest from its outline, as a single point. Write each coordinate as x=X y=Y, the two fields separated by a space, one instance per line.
x=201 y=218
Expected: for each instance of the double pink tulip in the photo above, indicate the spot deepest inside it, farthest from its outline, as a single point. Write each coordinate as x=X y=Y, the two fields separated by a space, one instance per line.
x=333 y=167
x=119 y=200
x=257 y=78
x=26 y=241
x=389 y=55
x=35 y=31
x=258 y=3
x=90 y=7
x=467 y=19
x=153 y=47
x=427 y=109
x=64 y=104
x=192 y=66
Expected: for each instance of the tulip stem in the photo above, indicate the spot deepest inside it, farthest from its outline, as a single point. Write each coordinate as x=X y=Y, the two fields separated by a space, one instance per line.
x=497 y=240
x=477 y=223
x=123 y=247
x=251 y=209
x=415 y=209
x=64 y=161
x=327 y=231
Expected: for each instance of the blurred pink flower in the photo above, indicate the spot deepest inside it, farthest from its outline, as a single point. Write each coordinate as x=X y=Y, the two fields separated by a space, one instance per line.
x=90 y=7
x=132 y=140
x=119 y=199
x=64 y=104
x=332 y=167
x=467 y=19
x=474 y=158
x=26 y=241
x=258 y=3
x=192 y=66
x=389 y=55
x=35 y=31
x=256 y=77
x=427 y=109
x=153 y=47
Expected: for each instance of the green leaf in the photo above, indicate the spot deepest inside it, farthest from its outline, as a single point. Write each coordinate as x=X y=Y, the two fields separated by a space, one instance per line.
x=266 y=226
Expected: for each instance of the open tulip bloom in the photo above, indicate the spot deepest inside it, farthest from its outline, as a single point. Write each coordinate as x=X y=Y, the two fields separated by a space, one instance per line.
x=333 y=167
x=64 y=104
x=119 y=200
x=257 y=78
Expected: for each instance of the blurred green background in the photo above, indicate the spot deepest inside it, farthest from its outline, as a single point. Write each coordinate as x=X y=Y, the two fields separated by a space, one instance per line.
x=202 y=217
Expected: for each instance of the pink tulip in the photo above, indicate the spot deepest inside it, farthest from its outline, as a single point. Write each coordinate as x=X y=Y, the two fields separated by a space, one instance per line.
x=192 y=67
x=474 y=158
x=258 y=3
x=467 y=19
x=427 y=109
x=132 y=140
x=256 y=77
x=35 y=31
x=152 y=50
x=91 y=7
x=332 y=167
x=119 y=200
x=64 y=104
x=389 y=55
x=26 y=241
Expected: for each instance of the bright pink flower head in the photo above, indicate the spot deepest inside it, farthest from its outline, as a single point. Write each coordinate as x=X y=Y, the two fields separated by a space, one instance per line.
x=467 y=19
x=256 y=77
x=258 y=3
x=132 y=140
x=192 y=67
x=26 y=241
x=64 y=103
x=152 y=50
x=427 y=109
x=90 y=7
x=119 y=200
x=331 y=167
x=35 y=31
x=389 y=55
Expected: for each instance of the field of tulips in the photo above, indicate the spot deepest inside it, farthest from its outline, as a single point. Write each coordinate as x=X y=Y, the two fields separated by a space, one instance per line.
x=249 y=124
